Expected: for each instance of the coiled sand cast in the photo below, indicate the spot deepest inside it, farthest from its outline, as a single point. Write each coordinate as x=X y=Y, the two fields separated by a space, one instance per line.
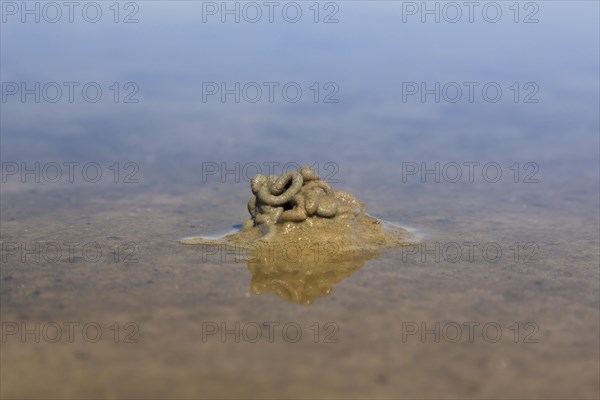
x=299 y=207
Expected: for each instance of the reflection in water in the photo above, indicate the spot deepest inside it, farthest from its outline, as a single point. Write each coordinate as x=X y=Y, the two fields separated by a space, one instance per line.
x=301 y=275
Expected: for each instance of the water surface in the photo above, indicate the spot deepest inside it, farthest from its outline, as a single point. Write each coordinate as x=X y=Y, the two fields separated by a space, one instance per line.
x=541 y=213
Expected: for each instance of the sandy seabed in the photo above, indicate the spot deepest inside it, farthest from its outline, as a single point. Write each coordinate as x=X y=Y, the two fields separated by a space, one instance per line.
x=382 y=326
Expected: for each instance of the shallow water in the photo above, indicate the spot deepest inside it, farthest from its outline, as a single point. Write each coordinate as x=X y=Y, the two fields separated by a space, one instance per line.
x=501 y=299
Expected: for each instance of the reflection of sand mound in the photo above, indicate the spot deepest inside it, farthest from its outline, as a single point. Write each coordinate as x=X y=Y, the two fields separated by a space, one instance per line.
x=303 y=237
x=301 y=275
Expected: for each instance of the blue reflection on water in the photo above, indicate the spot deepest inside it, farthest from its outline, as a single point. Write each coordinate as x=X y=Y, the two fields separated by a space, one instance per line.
x=367 y=61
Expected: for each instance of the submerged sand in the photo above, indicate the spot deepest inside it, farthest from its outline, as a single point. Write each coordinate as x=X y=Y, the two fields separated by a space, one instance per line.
x=352 y=342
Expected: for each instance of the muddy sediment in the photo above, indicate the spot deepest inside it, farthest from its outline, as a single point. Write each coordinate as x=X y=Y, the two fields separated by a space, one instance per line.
x=300 y=208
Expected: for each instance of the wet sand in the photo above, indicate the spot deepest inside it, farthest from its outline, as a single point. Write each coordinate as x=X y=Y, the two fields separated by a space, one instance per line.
x=174 y=297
